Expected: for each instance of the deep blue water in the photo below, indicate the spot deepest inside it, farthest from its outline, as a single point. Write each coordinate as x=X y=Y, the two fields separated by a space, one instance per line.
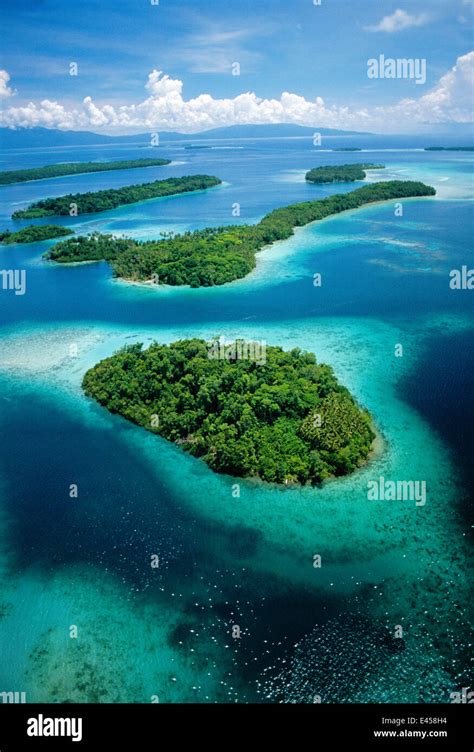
x=442 y=389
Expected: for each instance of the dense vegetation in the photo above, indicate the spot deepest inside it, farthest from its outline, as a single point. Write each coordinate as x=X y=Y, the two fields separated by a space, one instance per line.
x=34 y=233
x=94 y=247
x=286 y=420
x=348 y=148
x=75 y=168
x=88 y=203
x=449 y=148
x=217 y=255
x=346 y=173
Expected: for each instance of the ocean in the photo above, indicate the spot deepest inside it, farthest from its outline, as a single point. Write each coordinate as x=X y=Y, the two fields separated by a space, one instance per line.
x=83 y=615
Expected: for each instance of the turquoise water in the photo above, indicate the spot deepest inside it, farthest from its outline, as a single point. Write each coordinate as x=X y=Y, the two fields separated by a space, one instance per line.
x=245 y=561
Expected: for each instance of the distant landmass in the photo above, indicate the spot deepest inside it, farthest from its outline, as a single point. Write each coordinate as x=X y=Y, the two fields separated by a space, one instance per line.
x=27 y=138
x=276 y=130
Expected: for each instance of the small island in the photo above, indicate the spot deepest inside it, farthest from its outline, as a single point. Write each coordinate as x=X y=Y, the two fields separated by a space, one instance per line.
x=34 y=233
x=217 y=255
x=75 y=168
x=279 y=416
x=346 y=173
x=348 y=148
x=99 y=201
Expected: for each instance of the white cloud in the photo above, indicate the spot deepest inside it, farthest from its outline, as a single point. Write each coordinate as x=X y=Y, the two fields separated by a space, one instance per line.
x=166 y=109
x=399 y=21
x=162 y=85
x=5 y=90
x=221 y=37
x=451 y=99
x=214 y=49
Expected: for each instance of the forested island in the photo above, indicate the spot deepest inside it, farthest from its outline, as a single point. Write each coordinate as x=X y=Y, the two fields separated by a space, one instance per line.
x=346 y=173
x=217 y=255
x=348 y=148
x=34 y=233
x=449 y=148
x=283 y=419
x=99 y=201
x=75 y=168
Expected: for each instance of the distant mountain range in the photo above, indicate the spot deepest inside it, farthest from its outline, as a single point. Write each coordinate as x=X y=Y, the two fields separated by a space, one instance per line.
x=24 y=138
x=277 y=130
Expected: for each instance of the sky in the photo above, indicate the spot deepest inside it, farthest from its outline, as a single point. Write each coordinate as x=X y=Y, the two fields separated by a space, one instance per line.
x=130 y=66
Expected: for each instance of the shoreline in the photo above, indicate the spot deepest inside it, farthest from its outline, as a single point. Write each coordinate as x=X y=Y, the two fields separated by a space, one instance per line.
x=378 y=449
x=170 y=163
x=148 y=284
x=119 y=206
x=327 y=466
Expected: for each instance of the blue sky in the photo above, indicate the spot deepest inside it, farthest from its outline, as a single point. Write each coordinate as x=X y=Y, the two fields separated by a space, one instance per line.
x=281 y=45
